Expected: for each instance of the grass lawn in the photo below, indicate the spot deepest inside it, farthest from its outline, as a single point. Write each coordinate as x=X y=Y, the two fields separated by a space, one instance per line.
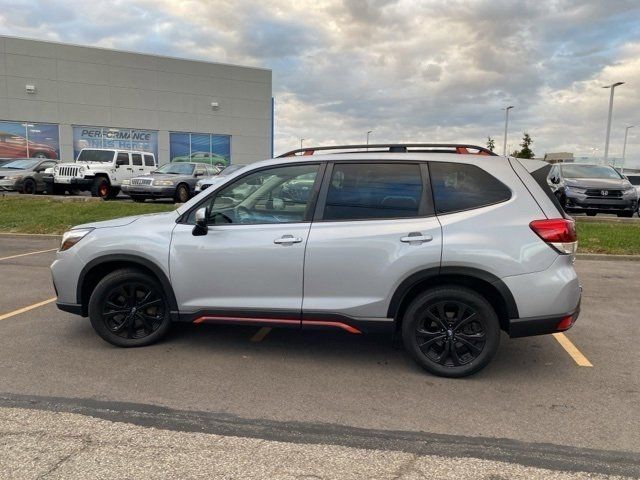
x=41 y=215
x=612 y=238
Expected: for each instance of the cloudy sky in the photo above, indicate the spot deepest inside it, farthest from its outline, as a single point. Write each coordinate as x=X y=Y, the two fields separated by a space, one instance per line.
x=406 y=69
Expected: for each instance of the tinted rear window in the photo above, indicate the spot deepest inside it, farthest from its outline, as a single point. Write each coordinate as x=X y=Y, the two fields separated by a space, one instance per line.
x=365 y=191
x=136 y=159
x=461 y=186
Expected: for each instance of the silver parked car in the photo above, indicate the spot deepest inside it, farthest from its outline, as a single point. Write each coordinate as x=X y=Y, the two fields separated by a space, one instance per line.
x=447 y=245
x=25 y=175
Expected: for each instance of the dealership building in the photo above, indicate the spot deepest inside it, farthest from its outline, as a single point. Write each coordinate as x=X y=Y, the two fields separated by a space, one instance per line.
x=56 y=99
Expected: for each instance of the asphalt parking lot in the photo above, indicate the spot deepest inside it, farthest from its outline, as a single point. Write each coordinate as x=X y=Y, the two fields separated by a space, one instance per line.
x=334 y=388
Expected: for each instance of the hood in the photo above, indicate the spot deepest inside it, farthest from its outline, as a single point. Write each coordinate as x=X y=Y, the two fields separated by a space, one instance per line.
x=12 y=172
x=605 y=183
x=124 y=221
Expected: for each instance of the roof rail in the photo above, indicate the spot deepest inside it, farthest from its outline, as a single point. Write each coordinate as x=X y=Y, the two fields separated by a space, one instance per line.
x=458 y=148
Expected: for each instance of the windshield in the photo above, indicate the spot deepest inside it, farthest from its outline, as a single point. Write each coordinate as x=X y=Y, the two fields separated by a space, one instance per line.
x=177 y=168
x=21 y=164
x=102 y=156
x=590 y=171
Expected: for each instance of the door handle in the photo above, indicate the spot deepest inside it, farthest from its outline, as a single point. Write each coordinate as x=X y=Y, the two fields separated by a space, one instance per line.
x=416 y=237
x=287 y=240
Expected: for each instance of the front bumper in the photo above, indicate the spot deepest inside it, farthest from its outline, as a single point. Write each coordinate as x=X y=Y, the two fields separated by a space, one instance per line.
x=75 y=182
x=582 y=203
x=9 y=185
x=149 y=191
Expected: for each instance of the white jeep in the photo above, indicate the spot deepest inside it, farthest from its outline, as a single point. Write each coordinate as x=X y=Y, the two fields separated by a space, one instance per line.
x=100 y=171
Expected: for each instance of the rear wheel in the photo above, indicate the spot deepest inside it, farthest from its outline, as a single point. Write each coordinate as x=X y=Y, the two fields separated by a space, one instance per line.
x=129 y=308
x=451 y=331
x=182 y=193
x=29 y=186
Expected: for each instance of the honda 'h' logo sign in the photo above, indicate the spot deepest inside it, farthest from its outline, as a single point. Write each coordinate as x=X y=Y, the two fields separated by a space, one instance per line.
x=604 y=193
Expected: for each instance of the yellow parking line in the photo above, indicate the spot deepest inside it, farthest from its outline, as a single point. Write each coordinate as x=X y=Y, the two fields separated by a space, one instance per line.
x=30 y=253
x=260 y=334
x=26 y=309
x=572 y=350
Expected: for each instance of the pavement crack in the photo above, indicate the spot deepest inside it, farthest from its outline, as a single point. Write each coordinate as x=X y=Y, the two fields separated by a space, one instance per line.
x=406 y=467
x=86 y=444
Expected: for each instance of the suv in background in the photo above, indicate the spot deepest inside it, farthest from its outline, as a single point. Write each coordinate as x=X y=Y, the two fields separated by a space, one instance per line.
x=445 y=244
x=172 y=180
x=100 y=171
x=593 y=189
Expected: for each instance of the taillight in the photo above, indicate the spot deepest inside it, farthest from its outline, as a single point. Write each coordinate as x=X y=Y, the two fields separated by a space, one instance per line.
x=559 y=233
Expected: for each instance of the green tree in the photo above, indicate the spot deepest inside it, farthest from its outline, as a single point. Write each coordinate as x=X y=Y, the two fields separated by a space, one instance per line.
x=491 y=143
x=526 y=151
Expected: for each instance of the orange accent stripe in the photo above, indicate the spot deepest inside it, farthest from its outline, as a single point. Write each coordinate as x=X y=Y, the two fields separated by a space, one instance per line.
x=245 y=319
x=341 y=325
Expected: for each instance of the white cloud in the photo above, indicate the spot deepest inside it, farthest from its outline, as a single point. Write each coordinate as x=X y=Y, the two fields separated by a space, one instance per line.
x=408 y=69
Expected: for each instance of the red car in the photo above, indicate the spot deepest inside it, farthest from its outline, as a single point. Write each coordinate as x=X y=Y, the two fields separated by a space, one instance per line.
x=15 y=146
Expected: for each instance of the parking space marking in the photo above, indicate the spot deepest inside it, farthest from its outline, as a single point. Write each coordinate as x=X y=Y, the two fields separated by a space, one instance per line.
x=30 y=253
x=26 y=309
x=572 y=350
x=260 y=334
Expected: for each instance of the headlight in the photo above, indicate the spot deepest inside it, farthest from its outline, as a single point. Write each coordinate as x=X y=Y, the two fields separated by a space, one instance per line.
x=629 y=189
x=81 y=171
x=576 y=189
x=56 y=169
x=163 y=183
x=126 y=182
x=199 y=183
x=70 y=238
x=16 y=177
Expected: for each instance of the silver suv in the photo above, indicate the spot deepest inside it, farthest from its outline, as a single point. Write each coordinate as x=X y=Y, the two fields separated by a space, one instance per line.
x=446 y=245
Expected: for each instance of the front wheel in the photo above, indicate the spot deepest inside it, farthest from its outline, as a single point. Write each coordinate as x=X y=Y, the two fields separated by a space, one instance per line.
x=182 y=194
x=29 y=187
x=451 y=331
x=129 y=308
x=101 y=188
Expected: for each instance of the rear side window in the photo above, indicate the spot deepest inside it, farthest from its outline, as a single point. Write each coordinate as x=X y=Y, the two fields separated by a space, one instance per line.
x=136 y=159
x=148 y=161
x=461 y=186
x=366 y=191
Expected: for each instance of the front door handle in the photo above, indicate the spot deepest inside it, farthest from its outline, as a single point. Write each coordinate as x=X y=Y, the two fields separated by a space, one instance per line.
x=416 y=237
x=287 y=240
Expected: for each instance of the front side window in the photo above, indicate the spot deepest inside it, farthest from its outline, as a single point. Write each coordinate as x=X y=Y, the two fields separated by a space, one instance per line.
x=461 y=186
x=367 y=191
x=274 y=195
x=123 y=159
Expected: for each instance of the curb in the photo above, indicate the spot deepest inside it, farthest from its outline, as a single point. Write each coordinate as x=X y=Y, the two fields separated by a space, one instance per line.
x=607 y=257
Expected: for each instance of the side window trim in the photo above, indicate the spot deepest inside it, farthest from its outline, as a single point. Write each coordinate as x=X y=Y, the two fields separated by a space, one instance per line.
x=426 y=208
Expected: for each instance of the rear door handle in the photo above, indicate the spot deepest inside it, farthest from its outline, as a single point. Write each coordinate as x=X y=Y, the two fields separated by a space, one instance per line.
x=416 y=237
x=287 y=240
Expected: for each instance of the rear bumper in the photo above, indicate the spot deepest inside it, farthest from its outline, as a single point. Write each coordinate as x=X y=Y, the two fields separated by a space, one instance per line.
x=527 y=327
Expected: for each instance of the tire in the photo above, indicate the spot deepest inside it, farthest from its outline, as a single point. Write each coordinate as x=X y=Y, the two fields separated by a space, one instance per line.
x=127 y=288
x=137 y=198
x=40 y=155
x=113 y=193
x=100 y=188
x=625 y=214
x=591 y=214
x=429 y=331
x=182 y=194
x=29 y=187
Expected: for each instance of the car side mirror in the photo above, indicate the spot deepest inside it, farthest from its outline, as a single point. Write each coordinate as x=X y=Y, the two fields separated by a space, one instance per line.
x=201 y=227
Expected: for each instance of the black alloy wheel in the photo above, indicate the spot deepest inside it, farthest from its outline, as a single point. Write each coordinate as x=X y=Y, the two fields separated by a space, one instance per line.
x=129 y=308
x=29 y=186
x=451 y=331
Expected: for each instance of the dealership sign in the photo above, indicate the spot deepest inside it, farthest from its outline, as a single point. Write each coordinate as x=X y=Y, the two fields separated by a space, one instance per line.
x=122 y=138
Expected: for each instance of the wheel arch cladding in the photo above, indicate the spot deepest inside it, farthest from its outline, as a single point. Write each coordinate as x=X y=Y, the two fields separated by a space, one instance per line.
x=484 y=283
x=97 y=269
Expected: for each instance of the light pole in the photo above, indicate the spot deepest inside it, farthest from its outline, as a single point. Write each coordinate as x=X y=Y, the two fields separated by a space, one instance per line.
x=368 y=133
x=506 y=126
x=606 y=142
x=302 y=140
x=624 y=145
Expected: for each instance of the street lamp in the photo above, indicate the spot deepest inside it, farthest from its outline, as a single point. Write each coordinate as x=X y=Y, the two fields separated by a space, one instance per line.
x=368 y=133
x=606 y=142
x=302 y=140
x=506 y=126
x=624 y=145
